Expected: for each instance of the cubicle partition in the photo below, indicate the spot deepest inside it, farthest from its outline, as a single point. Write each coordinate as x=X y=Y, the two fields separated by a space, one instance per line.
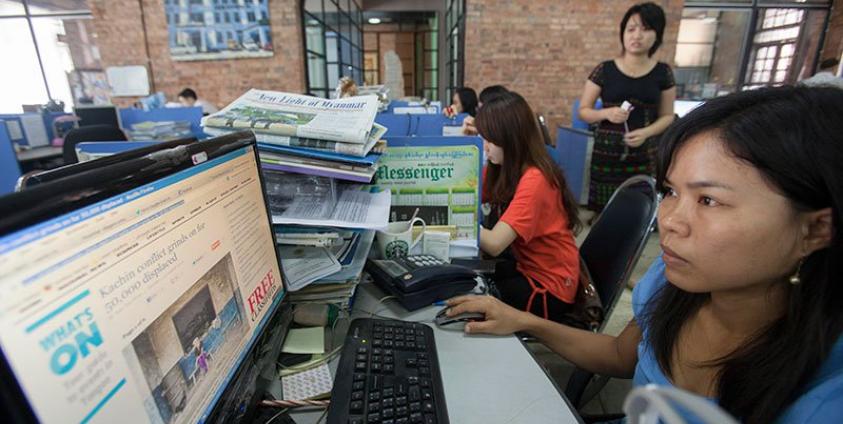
x=406 y=125
x=9 y=168
x=573 y=155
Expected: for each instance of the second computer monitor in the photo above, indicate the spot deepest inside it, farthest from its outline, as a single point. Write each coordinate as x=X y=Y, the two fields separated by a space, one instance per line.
x=98 y=115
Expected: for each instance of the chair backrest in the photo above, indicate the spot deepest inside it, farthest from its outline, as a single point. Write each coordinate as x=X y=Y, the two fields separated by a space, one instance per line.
x=88 y=133
x=613 y=245
x=544 y=130
x=610 y=251
x=578 y=123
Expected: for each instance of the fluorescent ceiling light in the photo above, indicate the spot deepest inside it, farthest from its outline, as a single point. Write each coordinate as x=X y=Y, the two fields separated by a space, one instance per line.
x=374 y=21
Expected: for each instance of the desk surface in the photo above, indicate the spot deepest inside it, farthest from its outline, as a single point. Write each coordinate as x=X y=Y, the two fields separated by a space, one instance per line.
x=487 y=379
x=39 y=153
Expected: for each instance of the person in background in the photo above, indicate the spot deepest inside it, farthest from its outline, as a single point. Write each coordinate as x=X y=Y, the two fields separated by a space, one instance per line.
x=826 y=75
x=188 y=98
x=463 y=101
x=488 y=93
x=531 y=210
x=745 y=305
x=346 y=88
x=626 y=138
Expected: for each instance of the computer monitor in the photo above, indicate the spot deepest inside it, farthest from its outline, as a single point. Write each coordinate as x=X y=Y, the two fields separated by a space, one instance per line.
x=98 y=115
x=138 y=292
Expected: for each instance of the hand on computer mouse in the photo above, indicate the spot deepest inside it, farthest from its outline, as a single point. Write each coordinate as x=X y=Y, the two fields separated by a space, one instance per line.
x=501 y=319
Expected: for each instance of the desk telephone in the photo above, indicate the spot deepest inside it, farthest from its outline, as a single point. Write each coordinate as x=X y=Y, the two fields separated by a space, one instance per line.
x=418 y=281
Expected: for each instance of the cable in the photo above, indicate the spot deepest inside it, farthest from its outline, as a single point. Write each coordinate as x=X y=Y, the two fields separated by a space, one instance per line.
x=281 y=412
x=322 y=416
x=380 y=302
x=287 y=404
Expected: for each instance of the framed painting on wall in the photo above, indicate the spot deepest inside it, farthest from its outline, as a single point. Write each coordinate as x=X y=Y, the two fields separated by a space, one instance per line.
x=213 y=30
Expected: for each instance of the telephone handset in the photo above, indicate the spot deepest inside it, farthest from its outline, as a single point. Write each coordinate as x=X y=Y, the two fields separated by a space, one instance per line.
x=418 y=281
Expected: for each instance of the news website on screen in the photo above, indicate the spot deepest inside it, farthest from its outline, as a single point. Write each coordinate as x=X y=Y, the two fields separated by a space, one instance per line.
x=143 y=304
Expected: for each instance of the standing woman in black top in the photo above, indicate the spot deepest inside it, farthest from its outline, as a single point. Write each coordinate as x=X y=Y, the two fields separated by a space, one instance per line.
x=625 y=141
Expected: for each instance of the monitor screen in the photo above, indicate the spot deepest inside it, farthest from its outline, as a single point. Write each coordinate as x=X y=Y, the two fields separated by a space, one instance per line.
x=97 y=115
x=141 y=306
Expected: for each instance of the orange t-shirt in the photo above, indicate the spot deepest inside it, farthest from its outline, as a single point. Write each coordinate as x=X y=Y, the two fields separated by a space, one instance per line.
x=545 y=249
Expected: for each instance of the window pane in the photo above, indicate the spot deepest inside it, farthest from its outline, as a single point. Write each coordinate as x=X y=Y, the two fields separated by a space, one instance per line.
x=331 y=15
x=22 y=83
x=709 y=51
x=314 y=7
x=333 y=75
x=331 y=47
x=71 y=60
x=57 y=7
x=315 y=36
x=11 y=7
x=316 y=71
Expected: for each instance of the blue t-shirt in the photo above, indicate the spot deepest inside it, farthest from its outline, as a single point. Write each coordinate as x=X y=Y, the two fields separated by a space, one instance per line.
x=822 y=401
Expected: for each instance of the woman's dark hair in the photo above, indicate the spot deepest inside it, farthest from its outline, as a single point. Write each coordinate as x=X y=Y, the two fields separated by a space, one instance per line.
x=652 y=16
x=468 y=99
x=491 y=92
x=508 y=121
x=791 y=135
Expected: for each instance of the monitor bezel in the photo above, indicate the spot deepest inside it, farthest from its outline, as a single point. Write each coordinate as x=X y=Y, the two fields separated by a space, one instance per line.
x=98 y=107
x=74 y=191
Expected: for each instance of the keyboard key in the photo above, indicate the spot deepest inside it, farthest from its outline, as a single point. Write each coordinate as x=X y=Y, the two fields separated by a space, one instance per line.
x=358 y=385
x=416 y=418
x=355 y=421
x=402 y=421
x=362 y=350
x=356 y=406
x=358 y=395
x=411 y=363
x=360 y=366
x=388 y=402
x=425 y=371
x=429 y=419
x=413 y=380
x=359 y=377
x=361 y=357
x=415 y=407
x=427 y=395
x=401 y=400
x=401 y=411
x=388 y=422
x=374 y=407
x=374 y=396
x=415 y=394
x=388 y=413
x=389 y=368
x=428 y=407
x=373 y=418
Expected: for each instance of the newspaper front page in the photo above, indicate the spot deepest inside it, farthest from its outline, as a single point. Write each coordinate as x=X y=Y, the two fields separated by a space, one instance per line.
x=345 y=120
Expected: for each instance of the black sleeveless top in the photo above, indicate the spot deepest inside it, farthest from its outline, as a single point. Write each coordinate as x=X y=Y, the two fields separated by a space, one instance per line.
x=643 y=92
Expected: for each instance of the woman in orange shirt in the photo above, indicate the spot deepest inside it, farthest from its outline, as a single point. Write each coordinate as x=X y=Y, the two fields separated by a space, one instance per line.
x=536 y=210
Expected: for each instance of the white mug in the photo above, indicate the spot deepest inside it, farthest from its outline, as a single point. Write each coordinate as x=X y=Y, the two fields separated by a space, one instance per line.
x=396 y=240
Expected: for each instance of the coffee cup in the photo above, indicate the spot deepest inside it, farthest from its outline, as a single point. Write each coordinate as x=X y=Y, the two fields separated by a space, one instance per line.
x=396 y=240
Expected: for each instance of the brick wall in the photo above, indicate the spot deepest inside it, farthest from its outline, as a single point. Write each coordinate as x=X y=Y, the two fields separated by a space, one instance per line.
x=121 y=42
x=545 y=49
x=833 y=46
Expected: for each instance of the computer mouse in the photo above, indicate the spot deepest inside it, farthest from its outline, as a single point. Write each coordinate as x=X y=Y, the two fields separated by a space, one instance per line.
x=443 y=320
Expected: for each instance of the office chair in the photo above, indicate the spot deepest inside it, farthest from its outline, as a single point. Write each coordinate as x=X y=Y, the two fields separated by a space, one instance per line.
x=544 y=130
x=87 y=134
x=610 y=251
x=663 y=404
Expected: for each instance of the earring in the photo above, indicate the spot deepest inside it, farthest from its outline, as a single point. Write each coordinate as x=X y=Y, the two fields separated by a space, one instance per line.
x=794 y=279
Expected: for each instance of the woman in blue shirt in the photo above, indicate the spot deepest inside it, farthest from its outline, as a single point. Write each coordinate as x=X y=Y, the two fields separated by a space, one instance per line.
x=745 y=305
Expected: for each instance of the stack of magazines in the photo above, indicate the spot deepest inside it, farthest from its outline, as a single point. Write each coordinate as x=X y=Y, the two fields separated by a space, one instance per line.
x=308 y=135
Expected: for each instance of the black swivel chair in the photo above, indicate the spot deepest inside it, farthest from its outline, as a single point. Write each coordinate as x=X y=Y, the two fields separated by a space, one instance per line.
x=86 y=134
x=610 y=251
x=545 y=132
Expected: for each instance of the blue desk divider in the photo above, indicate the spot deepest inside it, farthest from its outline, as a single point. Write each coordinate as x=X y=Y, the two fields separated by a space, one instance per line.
x=9 y=168
x=397 y=125
x=570 y=154
x=193 y=115
x=406 y=125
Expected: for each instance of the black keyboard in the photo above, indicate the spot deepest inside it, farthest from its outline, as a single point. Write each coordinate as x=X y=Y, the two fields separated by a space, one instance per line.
x=388 y=374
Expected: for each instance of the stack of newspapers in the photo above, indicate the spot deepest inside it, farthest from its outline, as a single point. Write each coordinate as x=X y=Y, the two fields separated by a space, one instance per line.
x=318 y=159
x=309 y=135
